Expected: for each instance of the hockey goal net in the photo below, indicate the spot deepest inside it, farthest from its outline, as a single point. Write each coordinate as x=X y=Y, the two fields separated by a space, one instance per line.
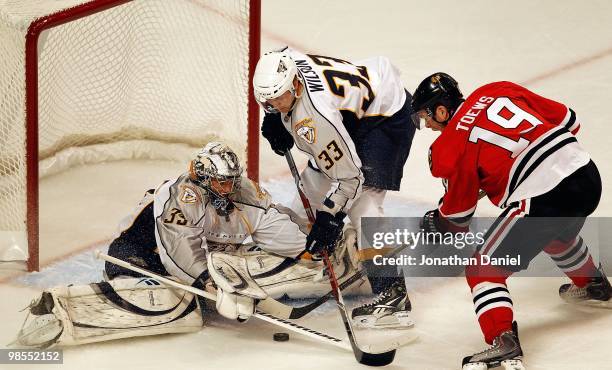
x=78 y=74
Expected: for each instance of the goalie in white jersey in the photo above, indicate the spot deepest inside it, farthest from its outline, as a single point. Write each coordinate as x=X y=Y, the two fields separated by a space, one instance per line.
x=353 y=122
x=194 y=227
x=213 y=208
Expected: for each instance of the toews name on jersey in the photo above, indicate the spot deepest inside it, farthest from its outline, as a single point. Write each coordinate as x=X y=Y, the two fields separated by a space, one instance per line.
x=469 y=117
x=508 y=141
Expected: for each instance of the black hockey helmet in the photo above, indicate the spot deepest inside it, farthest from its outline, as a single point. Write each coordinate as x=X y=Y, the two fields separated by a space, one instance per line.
x=435 y=90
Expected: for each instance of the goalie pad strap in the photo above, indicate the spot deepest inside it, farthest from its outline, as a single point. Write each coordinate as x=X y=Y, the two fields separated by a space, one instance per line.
x=106 y=290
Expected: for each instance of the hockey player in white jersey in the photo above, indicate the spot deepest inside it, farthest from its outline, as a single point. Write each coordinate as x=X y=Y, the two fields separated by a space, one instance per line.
x=353 y=122
x=190 y=227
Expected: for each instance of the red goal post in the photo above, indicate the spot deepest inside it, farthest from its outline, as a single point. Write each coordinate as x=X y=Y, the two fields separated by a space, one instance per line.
x=168 y=80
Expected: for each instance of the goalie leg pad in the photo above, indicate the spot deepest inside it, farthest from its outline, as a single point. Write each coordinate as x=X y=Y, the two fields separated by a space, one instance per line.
x=303 y=278
x=280 y=276
x=104 y=311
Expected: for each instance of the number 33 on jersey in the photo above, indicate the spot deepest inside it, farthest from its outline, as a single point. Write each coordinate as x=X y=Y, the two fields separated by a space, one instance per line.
x=504 y=139
x=337 y=100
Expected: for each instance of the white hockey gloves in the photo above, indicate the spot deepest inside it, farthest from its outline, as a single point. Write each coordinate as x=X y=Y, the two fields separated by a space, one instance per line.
x=237 y=292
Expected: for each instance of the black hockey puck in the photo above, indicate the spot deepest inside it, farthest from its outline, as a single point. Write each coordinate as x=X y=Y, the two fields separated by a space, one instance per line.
x=281 y=337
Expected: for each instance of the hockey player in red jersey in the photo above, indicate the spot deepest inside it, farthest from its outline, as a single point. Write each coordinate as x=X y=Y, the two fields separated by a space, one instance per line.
x=519 y=149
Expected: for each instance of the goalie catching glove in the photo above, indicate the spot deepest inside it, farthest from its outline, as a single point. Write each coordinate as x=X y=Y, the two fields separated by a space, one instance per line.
x=237 y=292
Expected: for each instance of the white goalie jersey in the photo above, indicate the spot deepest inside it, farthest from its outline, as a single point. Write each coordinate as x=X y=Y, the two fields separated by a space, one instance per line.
x=339 y=99
x=187 y=225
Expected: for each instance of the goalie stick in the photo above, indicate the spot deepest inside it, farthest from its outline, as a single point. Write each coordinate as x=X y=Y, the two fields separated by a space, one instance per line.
x=376 y=358
x=318 y=336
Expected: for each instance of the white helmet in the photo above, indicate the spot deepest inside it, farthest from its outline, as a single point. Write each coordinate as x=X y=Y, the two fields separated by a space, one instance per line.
x=219 y=162
x=273 y=77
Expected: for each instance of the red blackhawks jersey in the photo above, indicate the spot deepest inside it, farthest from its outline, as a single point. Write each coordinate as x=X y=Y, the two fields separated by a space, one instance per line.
x=509 y=142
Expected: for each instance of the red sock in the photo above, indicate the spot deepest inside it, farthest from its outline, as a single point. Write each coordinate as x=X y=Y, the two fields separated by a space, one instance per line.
x=492 y=302
x=574 y=259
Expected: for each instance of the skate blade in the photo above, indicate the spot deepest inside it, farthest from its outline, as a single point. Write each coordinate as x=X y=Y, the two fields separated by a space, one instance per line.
x=590 y=303
x=598 y=304
x=387 y=345
x=401 y=321
x=475 y=366
x=514 y=364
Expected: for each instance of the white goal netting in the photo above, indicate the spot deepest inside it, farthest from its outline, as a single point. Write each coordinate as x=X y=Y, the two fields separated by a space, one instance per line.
x=163 y=71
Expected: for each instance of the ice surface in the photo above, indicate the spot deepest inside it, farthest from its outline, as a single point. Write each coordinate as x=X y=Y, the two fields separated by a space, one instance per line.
x=561 y=50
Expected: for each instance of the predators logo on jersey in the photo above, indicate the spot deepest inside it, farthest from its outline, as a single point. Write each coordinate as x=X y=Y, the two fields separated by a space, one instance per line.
x=306 y=130
x=189 y=195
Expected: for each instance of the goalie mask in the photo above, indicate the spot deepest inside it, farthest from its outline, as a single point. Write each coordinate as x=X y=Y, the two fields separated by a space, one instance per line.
x=217 y=170
x=274 y=76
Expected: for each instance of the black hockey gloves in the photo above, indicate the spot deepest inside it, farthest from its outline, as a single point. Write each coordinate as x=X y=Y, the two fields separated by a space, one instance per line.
x=430 y=223
x=273 y=130
x=325 y=232
x=433 y=222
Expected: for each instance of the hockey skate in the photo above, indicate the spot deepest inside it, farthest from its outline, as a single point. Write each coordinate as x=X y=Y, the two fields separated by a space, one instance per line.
x=505 y=352
x=391 y=309
x=596 y=293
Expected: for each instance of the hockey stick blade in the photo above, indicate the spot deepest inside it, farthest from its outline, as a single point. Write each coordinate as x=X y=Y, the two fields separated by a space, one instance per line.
x=385 y=357
x=379 y=359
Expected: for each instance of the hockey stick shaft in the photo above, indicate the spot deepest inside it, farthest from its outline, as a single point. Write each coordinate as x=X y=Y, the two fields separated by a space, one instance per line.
x=372 y=359
x=286 y=311
x=298 y=185
x=320 y=337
